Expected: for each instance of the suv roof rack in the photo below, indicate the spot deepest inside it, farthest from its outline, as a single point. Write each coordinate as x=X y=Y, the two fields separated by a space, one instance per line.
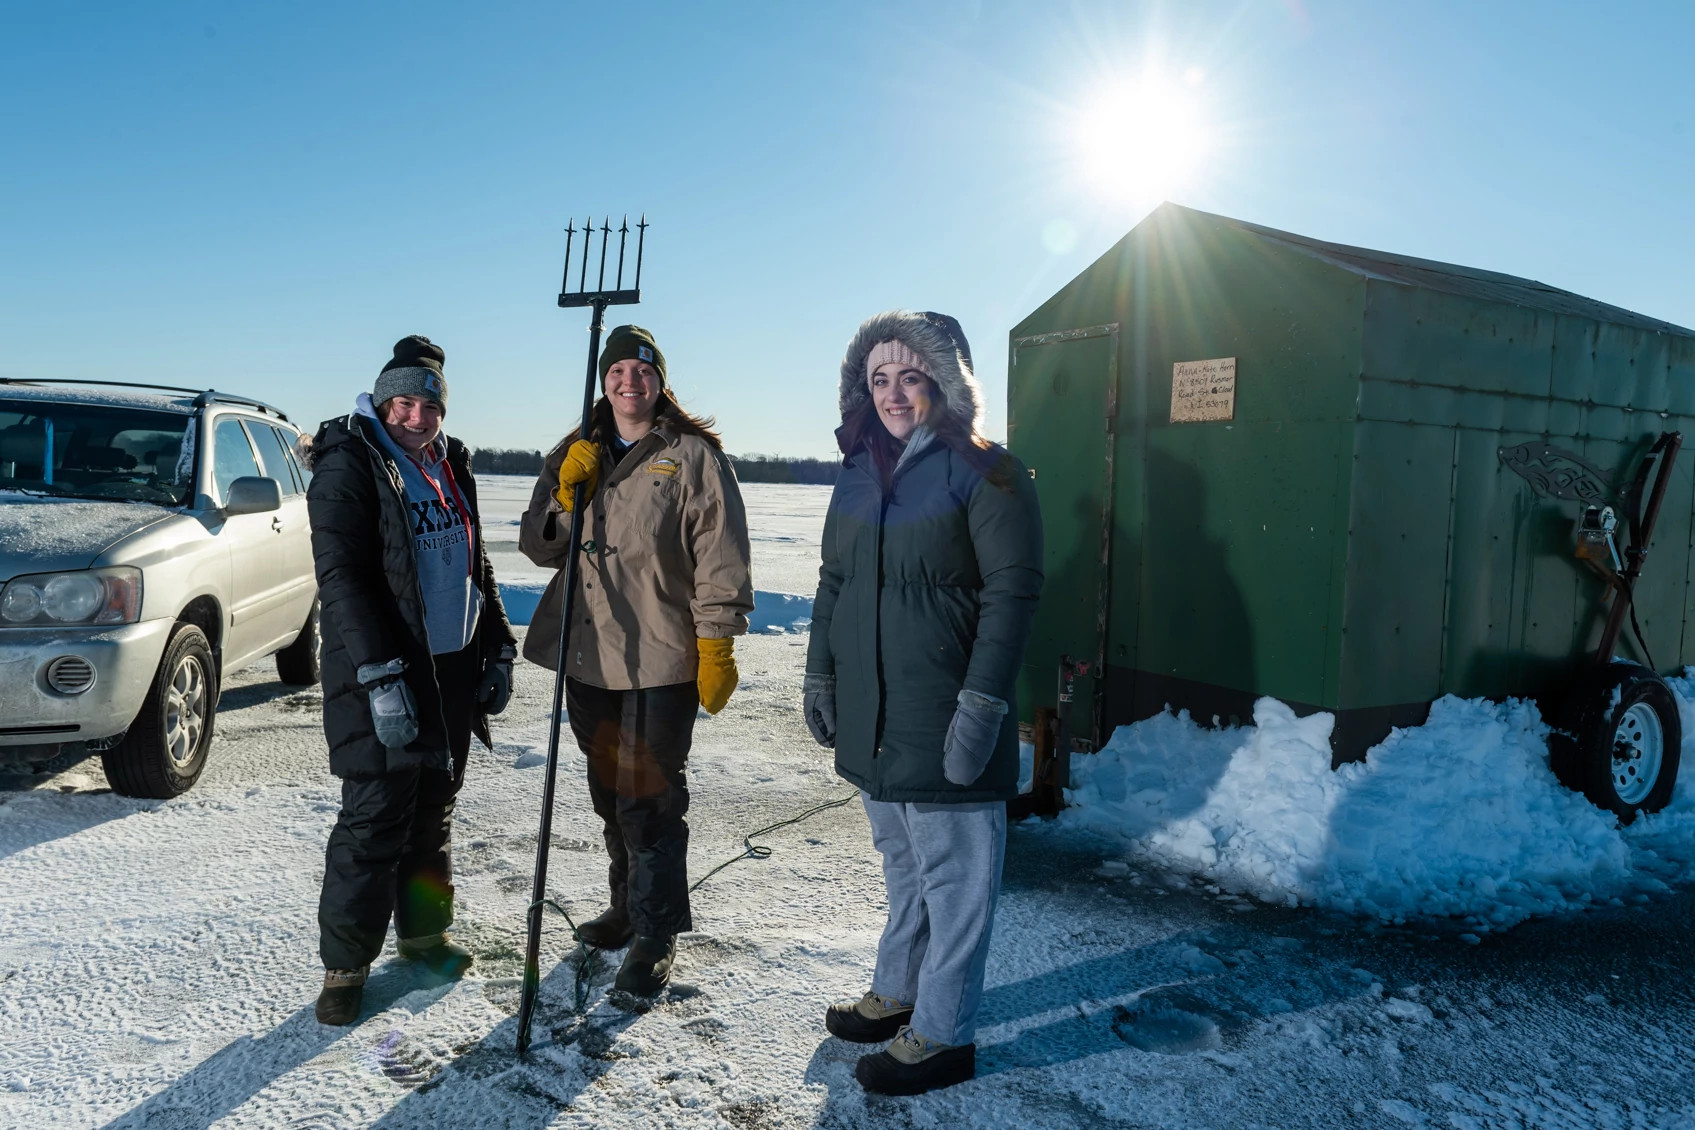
x=202 y=397
x=213 y=396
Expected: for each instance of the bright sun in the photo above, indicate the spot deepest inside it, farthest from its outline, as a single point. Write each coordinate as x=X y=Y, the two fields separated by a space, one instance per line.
x=1142 y=140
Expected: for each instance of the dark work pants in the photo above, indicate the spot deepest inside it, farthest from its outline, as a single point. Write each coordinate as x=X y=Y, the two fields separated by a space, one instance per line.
x=389 y=853
x=637 y=744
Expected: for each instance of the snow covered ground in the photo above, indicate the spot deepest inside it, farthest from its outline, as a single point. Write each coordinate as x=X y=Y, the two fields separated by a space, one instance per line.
x=1216 y=935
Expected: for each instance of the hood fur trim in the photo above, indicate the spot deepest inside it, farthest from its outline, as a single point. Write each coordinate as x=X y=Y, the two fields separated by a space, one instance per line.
x=961 y=398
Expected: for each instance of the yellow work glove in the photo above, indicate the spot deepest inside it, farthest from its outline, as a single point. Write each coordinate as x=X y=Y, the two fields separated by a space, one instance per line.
x=581 y=465
x=717 y=676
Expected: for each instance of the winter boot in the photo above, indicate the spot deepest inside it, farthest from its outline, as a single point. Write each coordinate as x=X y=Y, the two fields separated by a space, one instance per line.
x=912 y=1065
x=435 y=953
x=869 y=1020
x=610 y=931
x=338 y=1003
x=647 y=967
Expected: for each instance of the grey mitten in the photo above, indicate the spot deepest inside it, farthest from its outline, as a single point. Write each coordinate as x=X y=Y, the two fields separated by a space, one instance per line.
x=394 y=712
x=972 y=735
x=818 y=704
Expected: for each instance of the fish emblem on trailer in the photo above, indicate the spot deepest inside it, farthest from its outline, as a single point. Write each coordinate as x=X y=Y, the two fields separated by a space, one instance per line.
x=1553 y=472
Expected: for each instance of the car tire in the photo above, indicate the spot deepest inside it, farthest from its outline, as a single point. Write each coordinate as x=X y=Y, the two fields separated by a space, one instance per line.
x=297 y=664
x=1618 y=740
x=164 y=752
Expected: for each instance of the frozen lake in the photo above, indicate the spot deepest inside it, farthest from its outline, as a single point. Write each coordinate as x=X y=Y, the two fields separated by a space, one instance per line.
x=158 y=959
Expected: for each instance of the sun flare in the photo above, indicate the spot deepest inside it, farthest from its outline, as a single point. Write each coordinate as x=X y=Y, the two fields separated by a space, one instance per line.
x=1141 y=140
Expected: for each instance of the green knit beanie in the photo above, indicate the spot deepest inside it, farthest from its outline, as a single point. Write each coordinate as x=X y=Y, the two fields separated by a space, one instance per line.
x=630 y=343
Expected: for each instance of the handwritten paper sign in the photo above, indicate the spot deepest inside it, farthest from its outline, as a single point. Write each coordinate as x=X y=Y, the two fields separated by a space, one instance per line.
x=1203 y=390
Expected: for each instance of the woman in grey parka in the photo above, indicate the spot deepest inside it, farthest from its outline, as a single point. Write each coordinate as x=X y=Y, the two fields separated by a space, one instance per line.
x=932 y=566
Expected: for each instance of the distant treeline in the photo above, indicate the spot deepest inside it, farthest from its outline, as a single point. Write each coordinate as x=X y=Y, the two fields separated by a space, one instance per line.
x=749 y=468
x=776 y=469
x=503 y=461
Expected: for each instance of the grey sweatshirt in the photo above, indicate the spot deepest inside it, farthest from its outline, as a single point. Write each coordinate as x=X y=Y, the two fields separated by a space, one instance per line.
x=441 y=540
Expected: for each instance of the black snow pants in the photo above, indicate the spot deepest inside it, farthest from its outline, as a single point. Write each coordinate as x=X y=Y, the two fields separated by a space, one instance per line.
x=389 y=853
x=637 y=744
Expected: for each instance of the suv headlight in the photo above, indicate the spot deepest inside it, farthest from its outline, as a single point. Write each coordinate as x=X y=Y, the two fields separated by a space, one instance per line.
x=87 y=596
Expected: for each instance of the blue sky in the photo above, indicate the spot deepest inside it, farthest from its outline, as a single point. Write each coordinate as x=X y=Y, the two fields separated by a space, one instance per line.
x=263 y=197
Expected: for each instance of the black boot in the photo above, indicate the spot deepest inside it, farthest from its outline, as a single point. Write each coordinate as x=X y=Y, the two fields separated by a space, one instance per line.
x=338 y=1003
x=435 y=953
x=869 y=1020
x=647 y=967
x=912 y=1065
x=610 y=931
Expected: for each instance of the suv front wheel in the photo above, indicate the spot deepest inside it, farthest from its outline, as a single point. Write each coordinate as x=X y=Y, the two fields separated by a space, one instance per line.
x=164 y=751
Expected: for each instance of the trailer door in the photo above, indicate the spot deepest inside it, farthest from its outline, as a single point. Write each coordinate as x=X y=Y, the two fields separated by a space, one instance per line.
x=1062 y=405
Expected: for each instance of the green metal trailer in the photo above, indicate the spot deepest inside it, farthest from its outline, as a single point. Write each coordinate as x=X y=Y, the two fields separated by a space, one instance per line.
x=1355 y=481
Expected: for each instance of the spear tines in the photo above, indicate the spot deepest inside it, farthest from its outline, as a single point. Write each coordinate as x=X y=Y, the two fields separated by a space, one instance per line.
x=583 y=276
x=605 y=234
x=570 y=238
x=623 y=238
x=581 y=295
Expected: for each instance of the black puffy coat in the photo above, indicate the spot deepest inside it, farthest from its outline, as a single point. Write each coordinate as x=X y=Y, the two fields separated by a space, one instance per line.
x=371 y=606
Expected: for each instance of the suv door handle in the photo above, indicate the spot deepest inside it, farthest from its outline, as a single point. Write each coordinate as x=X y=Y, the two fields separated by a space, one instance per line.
x=276 y=524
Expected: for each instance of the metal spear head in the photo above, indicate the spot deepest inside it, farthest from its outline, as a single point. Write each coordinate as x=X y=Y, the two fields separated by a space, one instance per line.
x=601 y=295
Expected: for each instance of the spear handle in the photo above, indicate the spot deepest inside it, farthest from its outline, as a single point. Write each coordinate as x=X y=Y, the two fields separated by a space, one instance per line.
x=538 y=892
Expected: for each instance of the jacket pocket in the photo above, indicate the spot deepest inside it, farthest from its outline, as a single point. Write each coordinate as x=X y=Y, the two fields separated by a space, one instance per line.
x=661 y=502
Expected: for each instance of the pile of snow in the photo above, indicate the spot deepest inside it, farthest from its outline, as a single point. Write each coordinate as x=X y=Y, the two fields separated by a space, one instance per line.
x=520 y=599
x=1460 y=817
x=780 y=612
x=772 y=611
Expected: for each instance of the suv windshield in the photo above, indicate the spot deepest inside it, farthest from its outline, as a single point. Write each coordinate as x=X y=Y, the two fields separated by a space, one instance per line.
x=96 y=451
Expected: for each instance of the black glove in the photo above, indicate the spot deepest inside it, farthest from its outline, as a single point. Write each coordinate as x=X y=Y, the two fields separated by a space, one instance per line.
x=818 y=704
x=972 y=734
x=394 y=712
x=495 y=689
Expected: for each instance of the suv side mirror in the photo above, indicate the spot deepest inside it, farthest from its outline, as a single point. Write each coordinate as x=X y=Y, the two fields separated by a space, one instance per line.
x=252 y=494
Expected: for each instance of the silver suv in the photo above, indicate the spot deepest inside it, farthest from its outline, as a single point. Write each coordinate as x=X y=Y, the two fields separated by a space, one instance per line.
x=150 y=541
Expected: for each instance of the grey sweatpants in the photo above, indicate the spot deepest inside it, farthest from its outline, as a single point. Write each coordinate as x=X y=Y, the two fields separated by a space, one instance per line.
x=942 y=867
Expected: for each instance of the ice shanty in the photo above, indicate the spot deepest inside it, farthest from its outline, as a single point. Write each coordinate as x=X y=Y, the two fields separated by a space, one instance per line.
x=1355 y=481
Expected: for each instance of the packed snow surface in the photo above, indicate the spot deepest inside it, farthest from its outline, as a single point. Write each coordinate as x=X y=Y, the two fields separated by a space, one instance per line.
x=158 y=958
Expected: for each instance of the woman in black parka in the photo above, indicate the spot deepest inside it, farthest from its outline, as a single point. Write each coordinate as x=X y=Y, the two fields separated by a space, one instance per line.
x=417 y=652
x=932 y=566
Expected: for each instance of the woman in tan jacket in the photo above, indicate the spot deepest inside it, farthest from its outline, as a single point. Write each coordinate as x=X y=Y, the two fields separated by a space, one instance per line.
x=663 y=585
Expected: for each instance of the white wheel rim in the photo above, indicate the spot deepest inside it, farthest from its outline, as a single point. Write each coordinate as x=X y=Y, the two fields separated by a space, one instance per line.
x=1638 y=751
x=185 y=711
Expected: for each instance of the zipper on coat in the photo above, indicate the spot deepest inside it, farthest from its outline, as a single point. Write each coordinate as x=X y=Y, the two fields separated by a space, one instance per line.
x=877 y=620
x=398 y=484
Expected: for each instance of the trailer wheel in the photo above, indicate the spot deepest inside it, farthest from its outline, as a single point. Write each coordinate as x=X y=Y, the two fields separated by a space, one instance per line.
x=1620 y=739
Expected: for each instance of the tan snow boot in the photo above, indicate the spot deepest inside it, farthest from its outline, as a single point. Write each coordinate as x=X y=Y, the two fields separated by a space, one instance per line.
x=869 y=1020
x=912 y=1065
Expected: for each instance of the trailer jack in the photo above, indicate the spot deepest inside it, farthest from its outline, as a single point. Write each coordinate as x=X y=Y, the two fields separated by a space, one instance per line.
x=1051 y=774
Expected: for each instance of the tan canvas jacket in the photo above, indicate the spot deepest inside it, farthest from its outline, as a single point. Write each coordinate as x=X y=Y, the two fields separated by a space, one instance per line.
x=667 y=563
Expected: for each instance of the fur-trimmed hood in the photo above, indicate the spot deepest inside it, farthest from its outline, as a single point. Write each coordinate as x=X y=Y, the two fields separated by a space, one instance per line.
x=937 y=339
